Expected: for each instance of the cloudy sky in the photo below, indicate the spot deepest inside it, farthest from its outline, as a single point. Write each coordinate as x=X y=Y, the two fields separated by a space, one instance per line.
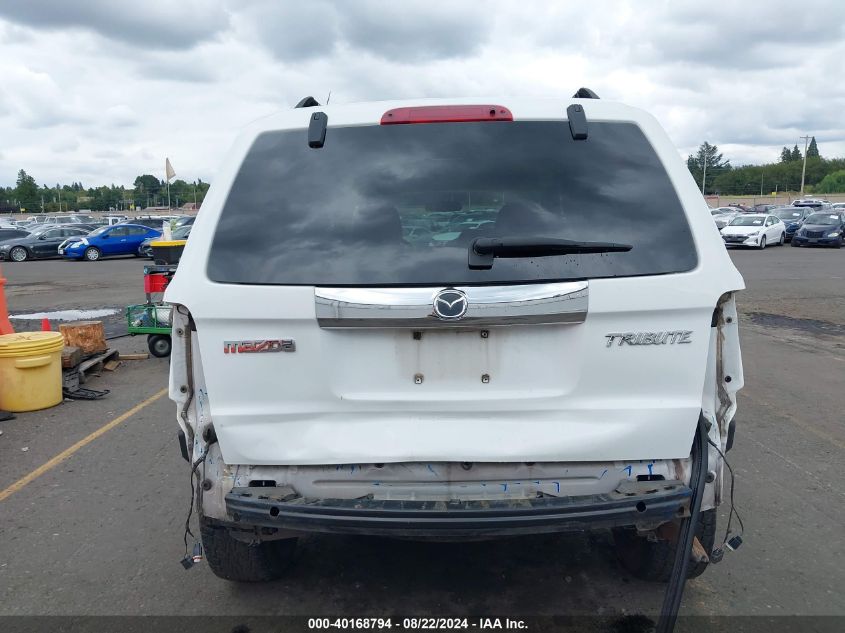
x=101 y=91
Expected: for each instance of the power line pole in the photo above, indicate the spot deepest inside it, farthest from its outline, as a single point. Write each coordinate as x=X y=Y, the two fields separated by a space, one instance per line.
x=804 y=168
x=704 y=175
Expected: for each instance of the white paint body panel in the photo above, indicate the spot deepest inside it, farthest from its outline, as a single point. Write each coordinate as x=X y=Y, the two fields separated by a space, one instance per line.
x=557 y=393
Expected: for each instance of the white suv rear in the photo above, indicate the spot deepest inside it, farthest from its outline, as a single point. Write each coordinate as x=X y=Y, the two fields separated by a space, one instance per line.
x=450 y=319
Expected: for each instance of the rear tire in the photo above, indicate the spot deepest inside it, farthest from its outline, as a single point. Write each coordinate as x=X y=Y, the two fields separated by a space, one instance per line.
x=160 y=345
x=782 y=240
x=91 y=254
x=238 y=561
x=18 y=254
x=794 y=243
x=653 y=560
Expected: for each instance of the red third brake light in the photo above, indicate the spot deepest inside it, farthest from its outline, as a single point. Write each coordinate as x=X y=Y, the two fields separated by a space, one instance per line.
x=446 y=114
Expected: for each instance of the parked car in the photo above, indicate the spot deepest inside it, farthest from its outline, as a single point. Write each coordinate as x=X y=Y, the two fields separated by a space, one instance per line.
x=821 y=229
x=743 y=208
x=754 y=229
x=67 y=220
x=9 y=233
x=107 y=241
x=73 y=225
x=181 y=233
x=792 y=217
x=72 y=218
x=42 y=243
x=815 y=205
x=724 y=218
x=838 y=206
x=186 y=220
x=88 y=226
x=454 y=387
x=766 y=208
x=152 y=221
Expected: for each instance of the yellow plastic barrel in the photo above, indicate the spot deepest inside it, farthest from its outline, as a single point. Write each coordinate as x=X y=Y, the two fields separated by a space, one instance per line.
x=30 y=370
x=167 y=251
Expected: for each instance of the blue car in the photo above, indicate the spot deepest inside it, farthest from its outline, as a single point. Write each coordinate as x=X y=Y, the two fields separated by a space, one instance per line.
x=792 y=218
x=107 y=241
x=821 y=229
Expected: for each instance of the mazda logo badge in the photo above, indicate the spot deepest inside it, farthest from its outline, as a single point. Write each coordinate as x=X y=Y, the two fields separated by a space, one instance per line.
x=450 y=304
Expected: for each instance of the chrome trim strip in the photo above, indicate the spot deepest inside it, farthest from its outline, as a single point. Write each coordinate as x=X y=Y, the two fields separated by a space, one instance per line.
x=488 y=306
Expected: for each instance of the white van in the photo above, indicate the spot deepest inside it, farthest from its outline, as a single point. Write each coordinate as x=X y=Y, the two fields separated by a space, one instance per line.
x=454 y=318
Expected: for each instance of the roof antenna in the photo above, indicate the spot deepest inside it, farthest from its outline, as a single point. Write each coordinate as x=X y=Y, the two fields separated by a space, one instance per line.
x=329 y=97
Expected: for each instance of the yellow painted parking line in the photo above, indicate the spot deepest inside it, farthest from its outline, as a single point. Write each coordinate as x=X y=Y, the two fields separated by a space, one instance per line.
x=58 y=459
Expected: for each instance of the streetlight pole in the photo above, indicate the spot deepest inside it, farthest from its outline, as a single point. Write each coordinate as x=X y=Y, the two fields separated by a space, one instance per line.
x=704 y=175
x=804 y=168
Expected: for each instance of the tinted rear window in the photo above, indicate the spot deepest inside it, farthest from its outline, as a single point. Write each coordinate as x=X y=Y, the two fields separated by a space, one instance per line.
x=400 y=205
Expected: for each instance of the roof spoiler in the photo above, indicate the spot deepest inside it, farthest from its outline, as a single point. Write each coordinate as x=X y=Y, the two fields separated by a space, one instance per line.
x=583 y=93
x=310 y=102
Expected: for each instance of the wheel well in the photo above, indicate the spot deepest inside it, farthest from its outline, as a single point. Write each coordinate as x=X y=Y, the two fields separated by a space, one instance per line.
x=25 y=249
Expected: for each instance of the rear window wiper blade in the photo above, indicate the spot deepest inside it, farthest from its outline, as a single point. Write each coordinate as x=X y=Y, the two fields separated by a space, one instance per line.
x=483 y=250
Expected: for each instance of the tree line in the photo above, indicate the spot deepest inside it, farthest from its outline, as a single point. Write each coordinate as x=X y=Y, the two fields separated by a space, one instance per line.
x=715 y=175
x=147 y=190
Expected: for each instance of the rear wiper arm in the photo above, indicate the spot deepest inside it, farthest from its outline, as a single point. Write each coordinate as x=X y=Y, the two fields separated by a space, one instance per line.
x=484 y=250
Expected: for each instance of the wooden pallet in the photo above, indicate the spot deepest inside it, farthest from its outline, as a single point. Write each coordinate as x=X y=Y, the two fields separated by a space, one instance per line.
x=94 y=365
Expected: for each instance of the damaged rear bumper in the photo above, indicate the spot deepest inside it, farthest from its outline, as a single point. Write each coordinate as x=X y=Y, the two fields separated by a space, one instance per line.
x=644 y=504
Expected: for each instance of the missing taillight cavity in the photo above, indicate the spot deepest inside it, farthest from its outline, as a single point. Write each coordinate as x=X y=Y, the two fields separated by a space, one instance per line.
x=446 y=114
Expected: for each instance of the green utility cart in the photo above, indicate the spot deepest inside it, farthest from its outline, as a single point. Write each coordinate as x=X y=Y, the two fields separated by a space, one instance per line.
x=154 y=320
x=155 y=317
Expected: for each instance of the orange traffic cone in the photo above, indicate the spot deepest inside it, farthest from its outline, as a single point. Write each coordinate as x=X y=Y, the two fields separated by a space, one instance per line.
x=45 y=325
x=5 y=325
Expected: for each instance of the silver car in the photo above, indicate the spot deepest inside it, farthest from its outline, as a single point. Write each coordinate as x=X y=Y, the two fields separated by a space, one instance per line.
x=724 y=218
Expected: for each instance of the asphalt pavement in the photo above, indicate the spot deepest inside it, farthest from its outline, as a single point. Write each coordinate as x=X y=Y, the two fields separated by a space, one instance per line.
x=101 y=532
x=46 y=285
